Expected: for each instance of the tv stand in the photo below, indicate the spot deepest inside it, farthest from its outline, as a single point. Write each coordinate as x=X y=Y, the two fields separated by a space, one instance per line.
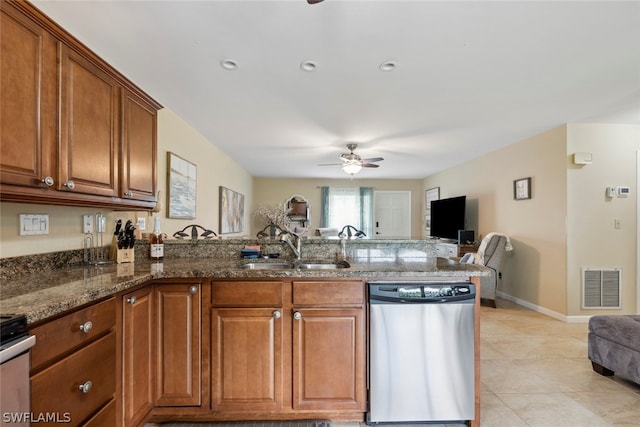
x=453 y=249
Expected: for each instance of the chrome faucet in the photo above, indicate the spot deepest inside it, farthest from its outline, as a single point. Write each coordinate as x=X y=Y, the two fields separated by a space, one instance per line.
x=357 y=233
x=297 y=247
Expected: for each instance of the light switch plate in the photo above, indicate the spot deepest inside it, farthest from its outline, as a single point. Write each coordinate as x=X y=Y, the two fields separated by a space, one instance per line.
x=87 y=223
x=33 y=224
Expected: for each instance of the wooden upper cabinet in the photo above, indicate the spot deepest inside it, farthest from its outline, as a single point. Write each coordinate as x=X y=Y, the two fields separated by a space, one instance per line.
x=89 y=127
x=27 y=101
x=74 y=131
x=139 y=148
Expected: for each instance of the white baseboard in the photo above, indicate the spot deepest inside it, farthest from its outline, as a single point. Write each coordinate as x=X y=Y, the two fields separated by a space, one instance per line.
x=545 y=311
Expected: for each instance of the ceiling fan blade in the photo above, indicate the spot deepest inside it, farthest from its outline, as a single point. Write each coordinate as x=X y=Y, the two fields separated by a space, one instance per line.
x=373 y=159
x=314 y=1
x=369 y=165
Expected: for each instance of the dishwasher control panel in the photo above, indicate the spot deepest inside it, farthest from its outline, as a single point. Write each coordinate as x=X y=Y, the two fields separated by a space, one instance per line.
x=420 y=292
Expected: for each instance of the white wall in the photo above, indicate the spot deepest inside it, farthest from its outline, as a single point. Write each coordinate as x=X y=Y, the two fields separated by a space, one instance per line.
x=544 y=269
x=536 y=269
x=214 y=169
x=268 y=191
x=592 y=239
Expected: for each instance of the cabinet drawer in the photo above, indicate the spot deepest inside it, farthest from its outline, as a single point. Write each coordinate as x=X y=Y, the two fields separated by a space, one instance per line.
x=57 y=389
x=106 y=416
x=62 y=335
x=247 y=294
x=329 y=292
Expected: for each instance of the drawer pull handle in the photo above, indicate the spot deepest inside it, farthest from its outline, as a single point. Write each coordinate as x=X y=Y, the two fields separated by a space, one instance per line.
x=276 y=314
x=48 y=181
x=86 y=387
x=193 y=290
x=86 y=326
x=297 y=315
x=131 y=300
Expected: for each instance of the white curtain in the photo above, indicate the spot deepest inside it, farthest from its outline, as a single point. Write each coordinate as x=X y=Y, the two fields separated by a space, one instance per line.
x=347 y=206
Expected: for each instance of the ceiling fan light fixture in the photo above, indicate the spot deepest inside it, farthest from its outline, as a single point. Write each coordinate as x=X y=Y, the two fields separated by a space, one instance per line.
x=308 y=66
x=229 y=64
x=351 y=168
x=388 y=66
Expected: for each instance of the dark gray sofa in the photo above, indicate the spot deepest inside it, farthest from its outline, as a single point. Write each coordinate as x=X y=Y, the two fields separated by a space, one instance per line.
x=614 y=345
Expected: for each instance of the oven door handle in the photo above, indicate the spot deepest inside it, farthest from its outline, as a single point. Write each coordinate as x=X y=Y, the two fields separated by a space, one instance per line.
x=17 y=349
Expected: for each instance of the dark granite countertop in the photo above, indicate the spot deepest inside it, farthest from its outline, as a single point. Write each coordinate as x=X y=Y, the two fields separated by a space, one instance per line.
x=46 y=294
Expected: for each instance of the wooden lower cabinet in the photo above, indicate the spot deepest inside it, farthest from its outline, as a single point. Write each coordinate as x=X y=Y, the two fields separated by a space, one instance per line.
x=301 y=358
x=247 y=359
x=329 y=359
x=178 y=373
x=137 y=355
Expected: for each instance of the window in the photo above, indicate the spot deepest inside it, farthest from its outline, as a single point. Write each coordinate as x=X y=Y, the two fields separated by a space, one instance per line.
x=348 y=206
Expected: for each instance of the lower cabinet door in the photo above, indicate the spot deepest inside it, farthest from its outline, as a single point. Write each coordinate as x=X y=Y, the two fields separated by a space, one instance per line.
x=178 y=373
x=137 y=350
x=247 y=359
x=329 y=359
x=73 y=389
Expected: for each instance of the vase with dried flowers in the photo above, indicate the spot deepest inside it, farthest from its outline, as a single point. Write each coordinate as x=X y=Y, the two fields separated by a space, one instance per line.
x=275 y=217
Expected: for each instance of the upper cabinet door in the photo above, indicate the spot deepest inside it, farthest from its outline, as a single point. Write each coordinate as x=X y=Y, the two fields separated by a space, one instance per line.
x=139 y=152
x=27 y=101
x=89 y=143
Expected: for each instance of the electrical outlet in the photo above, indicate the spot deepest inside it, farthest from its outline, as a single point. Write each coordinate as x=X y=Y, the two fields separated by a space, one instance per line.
x=87 y=224
x=141 y=223
x=33 y=224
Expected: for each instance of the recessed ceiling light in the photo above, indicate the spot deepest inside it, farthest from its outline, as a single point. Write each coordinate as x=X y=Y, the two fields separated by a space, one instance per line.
x=308 y=66
x=388 y=66
x=229 y=64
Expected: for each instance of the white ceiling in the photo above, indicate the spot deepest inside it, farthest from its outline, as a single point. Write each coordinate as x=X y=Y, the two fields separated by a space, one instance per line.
x=471 y=77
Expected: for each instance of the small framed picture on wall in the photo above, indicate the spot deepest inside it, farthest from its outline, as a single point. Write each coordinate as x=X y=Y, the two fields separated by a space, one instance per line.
x=522 y=188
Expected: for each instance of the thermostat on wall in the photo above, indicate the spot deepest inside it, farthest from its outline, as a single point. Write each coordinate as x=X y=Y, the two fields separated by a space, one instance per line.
x=582 y=158
x=622 y=191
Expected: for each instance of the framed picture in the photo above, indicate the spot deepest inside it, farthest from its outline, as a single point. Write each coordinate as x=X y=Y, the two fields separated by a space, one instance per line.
x=231 y=211
x=522 y=188
x=431 y=195
x=181 y=187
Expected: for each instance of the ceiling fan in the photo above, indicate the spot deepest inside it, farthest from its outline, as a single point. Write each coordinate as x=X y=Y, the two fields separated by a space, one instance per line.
x=314 y=1
x=352 y=163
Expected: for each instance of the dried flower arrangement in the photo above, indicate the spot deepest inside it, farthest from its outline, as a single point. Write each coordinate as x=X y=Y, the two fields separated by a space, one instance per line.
x=273 y=215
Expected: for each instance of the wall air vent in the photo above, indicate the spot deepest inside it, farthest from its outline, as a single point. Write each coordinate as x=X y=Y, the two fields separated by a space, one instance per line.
x=601 y=288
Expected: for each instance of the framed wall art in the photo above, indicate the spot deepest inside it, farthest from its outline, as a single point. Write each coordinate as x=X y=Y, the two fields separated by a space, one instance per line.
x=181 y=187
x=231 y=211
x=522 y=188
x=431 y=195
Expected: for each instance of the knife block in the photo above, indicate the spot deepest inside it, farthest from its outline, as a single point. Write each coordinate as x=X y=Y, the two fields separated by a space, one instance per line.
x=120 y=255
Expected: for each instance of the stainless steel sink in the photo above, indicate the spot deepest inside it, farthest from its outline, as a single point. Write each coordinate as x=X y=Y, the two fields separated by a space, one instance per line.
x=322 y=266
x=291 y=266
x=265 y=266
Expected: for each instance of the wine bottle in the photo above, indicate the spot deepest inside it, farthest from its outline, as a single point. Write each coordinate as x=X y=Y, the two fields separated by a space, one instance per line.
x=156 y=241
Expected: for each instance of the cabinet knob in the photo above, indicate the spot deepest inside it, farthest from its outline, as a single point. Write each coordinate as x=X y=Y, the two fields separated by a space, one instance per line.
x=131 y=300
x=297 y=315
x=86 y=387
x=276 y=314
x=48 y=181
x=86 y=326
x=193 y=290
x=70 y=185
x=128 y=194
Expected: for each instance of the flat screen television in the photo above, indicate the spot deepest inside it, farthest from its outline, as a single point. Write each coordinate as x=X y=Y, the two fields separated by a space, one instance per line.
x=447 y=217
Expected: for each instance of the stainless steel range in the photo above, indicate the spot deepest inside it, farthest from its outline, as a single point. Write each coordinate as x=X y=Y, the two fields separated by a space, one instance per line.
x=15 y=343
x=421 y=352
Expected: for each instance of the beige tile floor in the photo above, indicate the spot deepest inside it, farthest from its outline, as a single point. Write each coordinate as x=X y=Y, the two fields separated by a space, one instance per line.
x=535 y=372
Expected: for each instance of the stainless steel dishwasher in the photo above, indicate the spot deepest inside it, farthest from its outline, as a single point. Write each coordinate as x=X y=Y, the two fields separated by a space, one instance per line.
x=421 y=352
